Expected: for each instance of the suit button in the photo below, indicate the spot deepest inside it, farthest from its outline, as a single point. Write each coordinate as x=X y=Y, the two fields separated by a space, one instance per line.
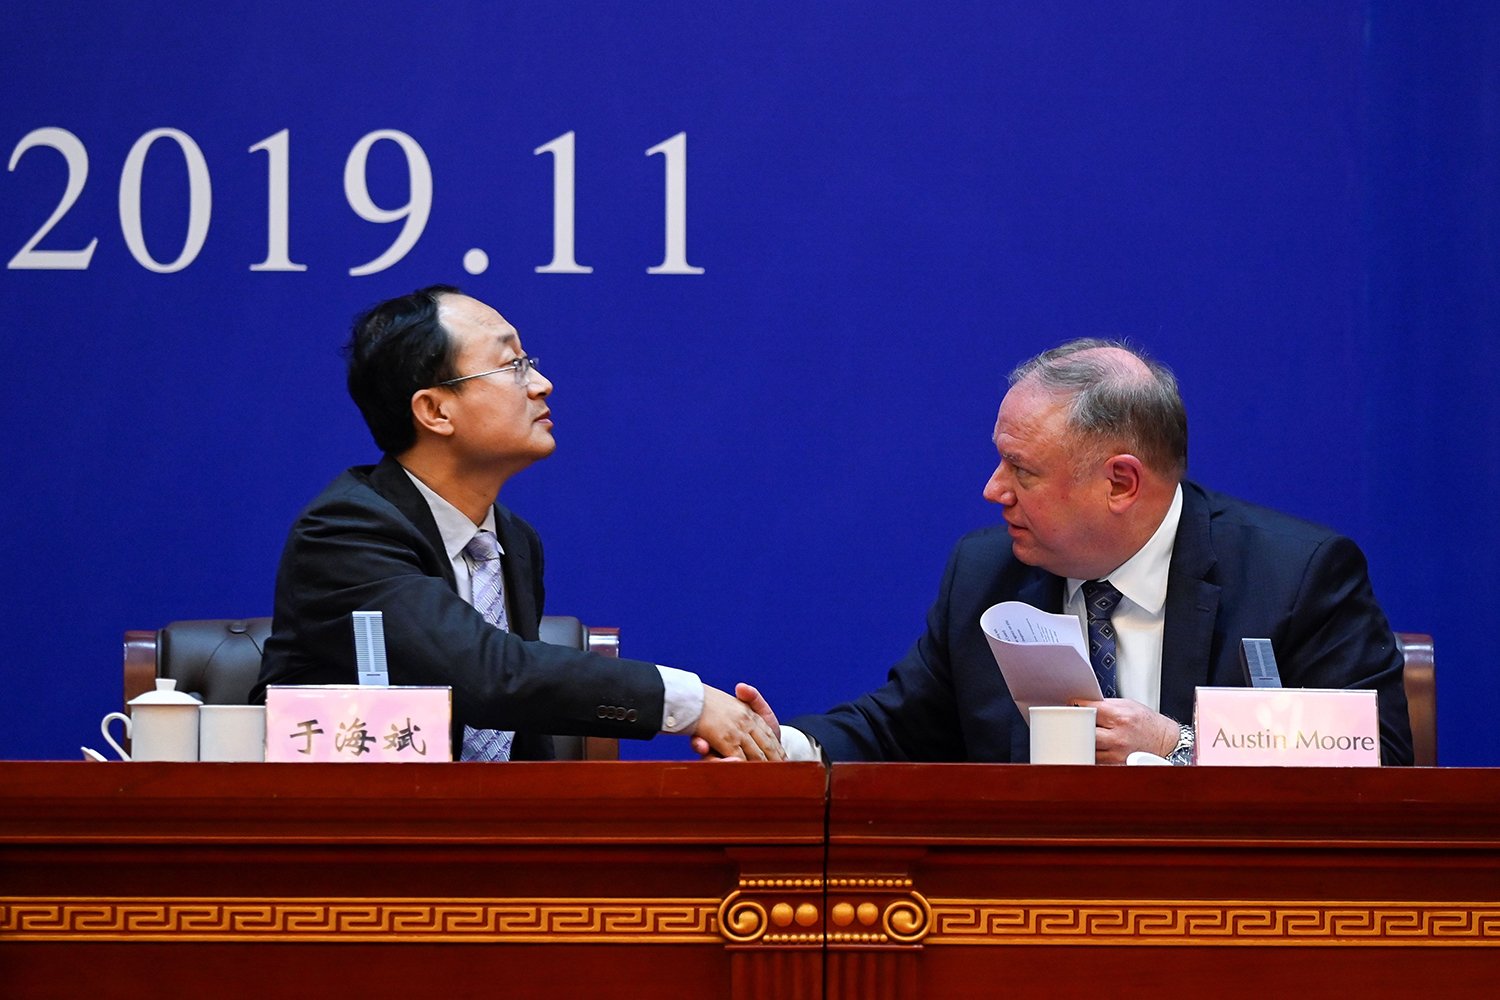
x=603 y=712
x=630 y=715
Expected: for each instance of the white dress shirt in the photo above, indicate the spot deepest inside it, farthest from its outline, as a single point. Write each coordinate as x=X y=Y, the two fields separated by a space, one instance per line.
x=1141 y=615
x=684 y=690
x=1139 y=621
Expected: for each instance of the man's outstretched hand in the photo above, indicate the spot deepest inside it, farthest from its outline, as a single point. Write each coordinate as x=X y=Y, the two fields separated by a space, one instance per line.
x=737 y=727
x=764 y=736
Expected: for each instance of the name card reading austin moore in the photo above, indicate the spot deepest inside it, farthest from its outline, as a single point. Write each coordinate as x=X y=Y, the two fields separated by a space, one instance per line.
x=1289 y=727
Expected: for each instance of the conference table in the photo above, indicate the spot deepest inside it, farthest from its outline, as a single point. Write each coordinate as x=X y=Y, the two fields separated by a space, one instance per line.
x=681 y=879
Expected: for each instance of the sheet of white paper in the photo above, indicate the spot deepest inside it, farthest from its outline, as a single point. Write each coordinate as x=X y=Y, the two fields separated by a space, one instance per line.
x=1043 y=657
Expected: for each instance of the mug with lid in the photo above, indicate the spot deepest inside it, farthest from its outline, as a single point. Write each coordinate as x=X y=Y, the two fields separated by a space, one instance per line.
x=162 y=725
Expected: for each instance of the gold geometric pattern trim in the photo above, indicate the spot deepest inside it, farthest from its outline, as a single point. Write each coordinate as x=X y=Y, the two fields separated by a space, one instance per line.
x=789 y=912
x=1212 y=922
x=785 y=914
x=509 y=921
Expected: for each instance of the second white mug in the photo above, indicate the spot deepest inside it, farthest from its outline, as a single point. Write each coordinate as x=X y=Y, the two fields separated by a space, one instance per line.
x=1062 y=734
x=232 y=732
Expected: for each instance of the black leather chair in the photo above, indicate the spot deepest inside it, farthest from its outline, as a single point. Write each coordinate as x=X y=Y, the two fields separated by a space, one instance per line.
x=218 y=660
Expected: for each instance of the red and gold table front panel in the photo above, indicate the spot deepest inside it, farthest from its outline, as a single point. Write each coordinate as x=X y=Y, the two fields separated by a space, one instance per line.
x=680 y=879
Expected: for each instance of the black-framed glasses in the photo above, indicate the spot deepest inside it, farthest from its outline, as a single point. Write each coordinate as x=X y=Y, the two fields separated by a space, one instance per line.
x=522 y=366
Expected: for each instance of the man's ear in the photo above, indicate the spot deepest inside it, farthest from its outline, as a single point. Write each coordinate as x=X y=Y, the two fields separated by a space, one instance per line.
x=429 y=410
x=1126 y=479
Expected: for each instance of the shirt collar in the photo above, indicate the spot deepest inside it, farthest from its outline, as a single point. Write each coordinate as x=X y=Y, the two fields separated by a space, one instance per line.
x=453 y=524
x=1142 y=578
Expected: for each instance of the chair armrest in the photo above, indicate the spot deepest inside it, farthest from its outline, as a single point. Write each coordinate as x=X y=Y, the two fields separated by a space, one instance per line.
x=140 y=667
x=1419 y=677
x=602 y=639
x=140 y=663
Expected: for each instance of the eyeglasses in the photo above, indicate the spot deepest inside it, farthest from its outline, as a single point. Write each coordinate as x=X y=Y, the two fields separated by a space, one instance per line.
x=522 y=366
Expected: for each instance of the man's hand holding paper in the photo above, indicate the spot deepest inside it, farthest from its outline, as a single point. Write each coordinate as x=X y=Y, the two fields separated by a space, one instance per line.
x=1043 y=657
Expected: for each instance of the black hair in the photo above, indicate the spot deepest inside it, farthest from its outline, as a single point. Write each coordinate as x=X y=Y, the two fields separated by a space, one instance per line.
x=396 y=349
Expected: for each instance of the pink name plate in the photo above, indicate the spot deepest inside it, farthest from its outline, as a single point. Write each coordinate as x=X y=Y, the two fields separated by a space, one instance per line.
x=353 y=722
x=1287 y=727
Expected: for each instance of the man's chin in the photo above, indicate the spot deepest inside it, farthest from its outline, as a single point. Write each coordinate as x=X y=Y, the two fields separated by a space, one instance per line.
x=1024 y=551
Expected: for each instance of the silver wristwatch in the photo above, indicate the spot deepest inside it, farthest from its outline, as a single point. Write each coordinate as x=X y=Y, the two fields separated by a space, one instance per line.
x=1182 y=753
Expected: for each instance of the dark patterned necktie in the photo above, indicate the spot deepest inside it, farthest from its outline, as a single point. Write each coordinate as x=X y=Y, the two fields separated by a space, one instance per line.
x=1099 y=599
x=489 y=599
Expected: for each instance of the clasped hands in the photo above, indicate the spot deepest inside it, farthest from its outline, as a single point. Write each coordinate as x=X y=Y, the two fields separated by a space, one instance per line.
x=740 y=726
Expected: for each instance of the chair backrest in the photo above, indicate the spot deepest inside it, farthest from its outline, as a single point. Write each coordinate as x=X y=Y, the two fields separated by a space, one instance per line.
x=1420 y=679
x=218 y=660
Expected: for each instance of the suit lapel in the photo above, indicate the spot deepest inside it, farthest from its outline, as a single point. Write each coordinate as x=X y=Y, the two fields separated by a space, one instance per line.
x=1192 y=608
x=1043 y=591
x=392 y=482
x=520 y=586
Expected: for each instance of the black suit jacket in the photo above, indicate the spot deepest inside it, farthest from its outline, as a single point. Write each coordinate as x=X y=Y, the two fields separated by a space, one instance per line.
x=369 y=543
x=1238 y=571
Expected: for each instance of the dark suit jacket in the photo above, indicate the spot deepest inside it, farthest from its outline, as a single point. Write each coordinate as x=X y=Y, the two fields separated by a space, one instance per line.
x=369 y=543
x=1238 y=571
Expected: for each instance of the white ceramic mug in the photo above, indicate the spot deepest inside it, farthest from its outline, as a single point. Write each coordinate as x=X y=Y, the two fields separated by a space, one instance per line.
x=232 y=732
x=1062 y=734
x=162 y=725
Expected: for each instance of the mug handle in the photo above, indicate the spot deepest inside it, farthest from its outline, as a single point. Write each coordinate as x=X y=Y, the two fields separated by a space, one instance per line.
x=104 y=728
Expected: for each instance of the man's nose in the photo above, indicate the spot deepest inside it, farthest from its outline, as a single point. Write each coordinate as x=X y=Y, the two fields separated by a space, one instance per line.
x=539 y=385
x=998 y=490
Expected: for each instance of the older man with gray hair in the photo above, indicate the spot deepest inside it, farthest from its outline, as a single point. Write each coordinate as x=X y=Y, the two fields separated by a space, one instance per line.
x=1101 y=523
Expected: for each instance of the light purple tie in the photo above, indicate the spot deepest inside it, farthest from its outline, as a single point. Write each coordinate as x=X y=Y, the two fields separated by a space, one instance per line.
x=489 y=599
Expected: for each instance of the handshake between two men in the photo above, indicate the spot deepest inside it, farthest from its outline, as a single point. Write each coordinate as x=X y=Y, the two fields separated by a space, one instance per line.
x=1098 y=521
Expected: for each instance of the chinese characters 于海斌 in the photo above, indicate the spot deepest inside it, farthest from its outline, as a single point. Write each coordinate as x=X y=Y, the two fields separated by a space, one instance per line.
x=353 y=737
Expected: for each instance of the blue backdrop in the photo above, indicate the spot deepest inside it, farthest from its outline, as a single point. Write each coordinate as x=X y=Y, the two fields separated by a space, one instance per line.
x=762 y=466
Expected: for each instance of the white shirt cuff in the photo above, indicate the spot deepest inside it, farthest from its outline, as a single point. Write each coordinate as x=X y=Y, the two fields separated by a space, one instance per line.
x=683 y=705
x=800 y=746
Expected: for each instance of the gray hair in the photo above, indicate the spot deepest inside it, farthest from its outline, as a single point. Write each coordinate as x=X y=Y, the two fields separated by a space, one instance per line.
x=1113 y=406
